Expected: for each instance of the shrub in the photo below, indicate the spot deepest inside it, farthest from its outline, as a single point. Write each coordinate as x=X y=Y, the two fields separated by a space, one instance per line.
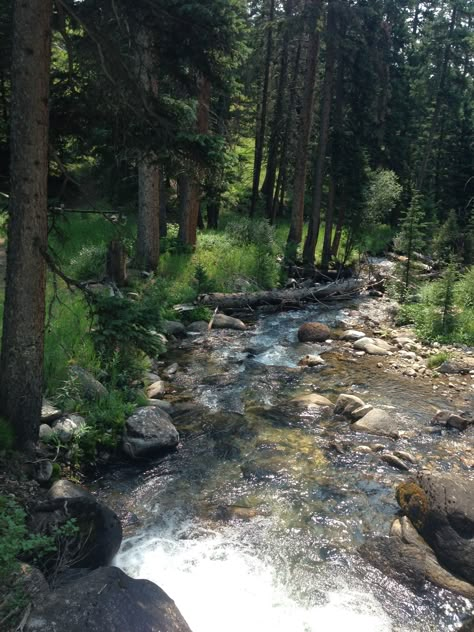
x=89 y=263
x=434 y=361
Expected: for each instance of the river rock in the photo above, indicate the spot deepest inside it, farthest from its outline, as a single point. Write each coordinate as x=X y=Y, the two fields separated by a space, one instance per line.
x=394 y=461
x=49 y=412
x=45 y=432
x=312 y=399
x=377 y=422
x=163 y=404
x=451 y=420
x=352 y=335
x=313 y=332
x=221 y=321
x=358 y=413
x=68 y=426
x=346 y=404
x=149 y=431
x=454 y=367
x=311 y=361
x=107 y=600
x=173 y=328
x=89 y=388
x=99 y=532
x=441 y=507
x=155 y=390
x=372 y=347
x=198 y=327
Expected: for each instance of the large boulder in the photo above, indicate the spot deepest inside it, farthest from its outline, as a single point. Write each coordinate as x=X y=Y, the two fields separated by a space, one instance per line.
x=89 y=388
x=346 y=404
x=313 y=332
x=149 y=431
x=107 y=600
x=97 y=535
x=173 y=328
x=441 y=506
x=372 y=347
x=221 y=321
x=377 y=422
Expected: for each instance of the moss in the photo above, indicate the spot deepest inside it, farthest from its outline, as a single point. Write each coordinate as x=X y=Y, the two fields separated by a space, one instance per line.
x=413 y=502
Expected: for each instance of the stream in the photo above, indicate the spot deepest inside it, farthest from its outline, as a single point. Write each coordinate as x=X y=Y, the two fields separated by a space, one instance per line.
x=254 y=523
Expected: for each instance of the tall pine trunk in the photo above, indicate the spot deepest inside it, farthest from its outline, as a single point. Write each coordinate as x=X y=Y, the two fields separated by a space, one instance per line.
x=262 y=118
x=319 y=167
x=148 y=229
x=306 y=122
x=21 y=378
x=190 y=209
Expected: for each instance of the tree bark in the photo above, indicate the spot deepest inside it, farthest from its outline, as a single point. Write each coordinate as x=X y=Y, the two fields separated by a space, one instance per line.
x=319 y=169
x=262 y=119
x=299 y=185
x=148 y=229
x=21 y=377
x=190 y=212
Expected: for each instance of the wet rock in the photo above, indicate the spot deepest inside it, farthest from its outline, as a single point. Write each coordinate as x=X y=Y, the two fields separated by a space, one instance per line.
x=171 y=369
x=358 y=413
x=346 y=404
x=352 y=335
x=452 y=420
x=198 y=327
x=173 y=328
x=107 y=600
x=45 y=432
x=99 y=532
x=454 y=367
x=313 y=332
x=221 y=321
x=49 y=412
x=69 y=425
x=405 y=456
x=394 y=461
x=155 y=390
x=89 y=388
x=149 y=431
x=163 y=404
x=377 y=422
x=311 y=361
x=312 y=399
x=441 y=507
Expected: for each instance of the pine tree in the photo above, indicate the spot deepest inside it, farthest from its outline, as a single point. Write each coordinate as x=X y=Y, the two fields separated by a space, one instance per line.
x=410 y=240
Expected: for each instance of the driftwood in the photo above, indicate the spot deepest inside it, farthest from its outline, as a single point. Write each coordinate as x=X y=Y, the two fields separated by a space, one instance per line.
x=283 y=298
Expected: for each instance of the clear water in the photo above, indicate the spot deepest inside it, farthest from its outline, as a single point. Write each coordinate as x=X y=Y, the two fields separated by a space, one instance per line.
x=254 y=523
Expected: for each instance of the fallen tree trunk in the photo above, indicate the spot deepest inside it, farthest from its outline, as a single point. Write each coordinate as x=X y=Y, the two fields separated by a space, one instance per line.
x=283 y=298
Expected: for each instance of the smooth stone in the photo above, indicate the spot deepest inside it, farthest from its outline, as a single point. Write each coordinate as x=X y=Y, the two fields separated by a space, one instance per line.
x=90 y=388
x=377 y=422
x=173 y=328
x=172 y=369
x=311 y=361
x=106 y=600
x=68 y=426
x=221 y=321
x=358 y=413
x=198 y=327
x=405 y=456
x=155 y=390
x=394 y=461
x=49 y=412
x=45 y=432
x=312 y=399
x=43 y=470
x=364 y=343
x=149 y=431
x=346 y=404
x=313 y=332
x=352 y=335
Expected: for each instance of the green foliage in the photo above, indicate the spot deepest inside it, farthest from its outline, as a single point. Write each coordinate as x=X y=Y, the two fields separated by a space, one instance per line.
x=7 y=435
x=199 y=313
x=436 y=360
x=443 y=299
x=89 y=263
x=382 y=193
x=410 y=239
x=447 y=241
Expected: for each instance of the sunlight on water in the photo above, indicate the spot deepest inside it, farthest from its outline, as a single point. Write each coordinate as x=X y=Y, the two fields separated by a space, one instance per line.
x=218 y=584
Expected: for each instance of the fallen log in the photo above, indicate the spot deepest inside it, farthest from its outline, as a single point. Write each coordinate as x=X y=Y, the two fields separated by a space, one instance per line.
x=283 y=298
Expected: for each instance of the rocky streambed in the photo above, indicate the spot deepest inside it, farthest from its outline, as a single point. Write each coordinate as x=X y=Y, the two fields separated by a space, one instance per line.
x=278 y=509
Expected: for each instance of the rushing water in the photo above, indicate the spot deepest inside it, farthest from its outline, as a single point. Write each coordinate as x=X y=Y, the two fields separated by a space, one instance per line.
x=254 y=523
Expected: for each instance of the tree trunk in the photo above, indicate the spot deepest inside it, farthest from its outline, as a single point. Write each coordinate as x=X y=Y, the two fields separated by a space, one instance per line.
x=262 y=119
x=163 y=206
x=117 y=263
x=439 y=100
x=21 y=381
x=148 y=229
x=276 y=131
x=336 y=242
x=319 y=169
x=299 y=185
x=190 y=216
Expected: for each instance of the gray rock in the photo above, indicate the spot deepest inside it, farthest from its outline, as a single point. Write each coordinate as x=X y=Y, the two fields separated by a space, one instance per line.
x=68 y=426
x=352 y=335
x=107 y=600
x=451 y=420
x=454 y=367
x=156 y=389
x=173 y=328
x=45 y=432
x=42 y=470
x=88 y=386
x=163 y=404
x=99 y=532
x=405 y=456
x=358 y=413
x=346 y=404
x=312 y=399
x=151 y=377
x=221 y=321
x=198 y=327
x=49 y=412
x=171 y=369
x=394 y=461
x=372 y=347
x=149 y=431
x=377 y=422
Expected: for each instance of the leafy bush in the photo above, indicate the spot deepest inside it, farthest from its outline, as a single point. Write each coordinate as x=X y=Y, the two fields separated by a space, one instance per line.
x=89 y=263
x=437 y=360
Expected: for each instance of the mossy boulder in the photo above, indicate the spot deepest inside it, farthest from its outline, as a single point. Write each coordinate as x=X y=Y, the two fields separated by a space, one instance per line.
x=413 y=502
x=313 y=332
